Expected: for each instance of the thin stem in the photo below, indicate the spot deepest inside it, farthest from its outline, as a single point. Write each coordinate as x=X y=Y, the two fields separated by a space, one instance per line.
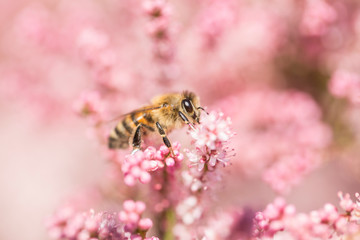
x=166 y=219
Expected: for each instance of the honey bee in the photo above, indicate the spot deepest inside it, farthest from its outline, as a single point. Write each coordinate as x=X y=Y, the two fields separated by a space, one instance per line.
x=166 y=112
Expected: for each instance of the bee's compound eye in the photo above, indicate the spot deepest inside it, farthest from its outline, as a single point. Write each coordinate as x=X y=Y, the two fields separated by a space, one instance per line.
x=187 y=106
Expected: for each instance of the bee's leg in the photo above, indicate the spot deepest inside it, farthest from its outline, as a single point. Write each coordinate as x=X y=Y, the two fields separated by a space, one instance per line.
x=186 y=120
x=164 y=137
x=136 y=142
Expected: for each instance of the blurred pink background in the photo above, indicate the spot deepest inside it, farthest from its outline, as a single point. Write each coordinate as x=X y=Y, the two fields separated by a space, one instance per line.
x=46 y=152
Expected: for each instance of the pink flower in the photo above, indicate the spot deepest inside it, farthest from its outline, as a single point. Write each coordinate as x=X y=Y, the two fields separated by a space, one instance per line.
x=213 y=131
x=131 y=216
x=110 y=227
x=83 y=225
x=136 y=167
x=197 y=157
x=323 y=223
x=145 y=224
x=139 y=165
x=202 y=156
x=346 y=203
x=209 y=140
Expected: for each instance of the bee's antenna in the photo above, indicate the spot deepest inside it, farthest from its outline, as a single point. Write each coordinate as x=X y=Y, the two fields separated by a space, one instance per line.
x=203 y=110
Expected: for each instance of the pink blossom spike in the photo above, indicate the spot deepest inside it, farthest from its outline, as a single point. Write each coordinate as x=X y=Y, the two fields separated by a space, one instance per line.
x=322 y=223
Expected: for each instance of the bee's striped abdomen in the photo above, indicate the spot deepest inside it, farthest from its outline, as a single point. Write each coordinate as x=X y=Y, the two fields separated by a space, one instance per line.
x=128 y=125
x=119 y=137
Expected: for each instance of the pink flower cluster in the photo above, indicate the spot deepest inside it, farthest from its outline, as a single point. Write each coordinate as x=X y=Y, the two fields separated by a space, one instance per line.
x=280 y=134
x=351 y=208
x=159 y=29
x=131 y=217
x=138 y=165
x=327 y=222
x=66 y=223
x=346 y=84
x=209 y=150
x=209 y=142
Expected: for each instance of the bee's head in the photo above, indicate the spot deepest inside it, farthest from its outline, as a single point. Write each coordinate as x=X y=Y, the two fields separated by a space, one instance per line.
x=191 y=107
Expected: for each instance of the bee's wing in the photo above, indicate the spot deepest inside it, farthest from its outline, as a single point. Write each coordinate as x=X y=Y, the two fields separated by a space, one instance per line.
x=144 y=109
